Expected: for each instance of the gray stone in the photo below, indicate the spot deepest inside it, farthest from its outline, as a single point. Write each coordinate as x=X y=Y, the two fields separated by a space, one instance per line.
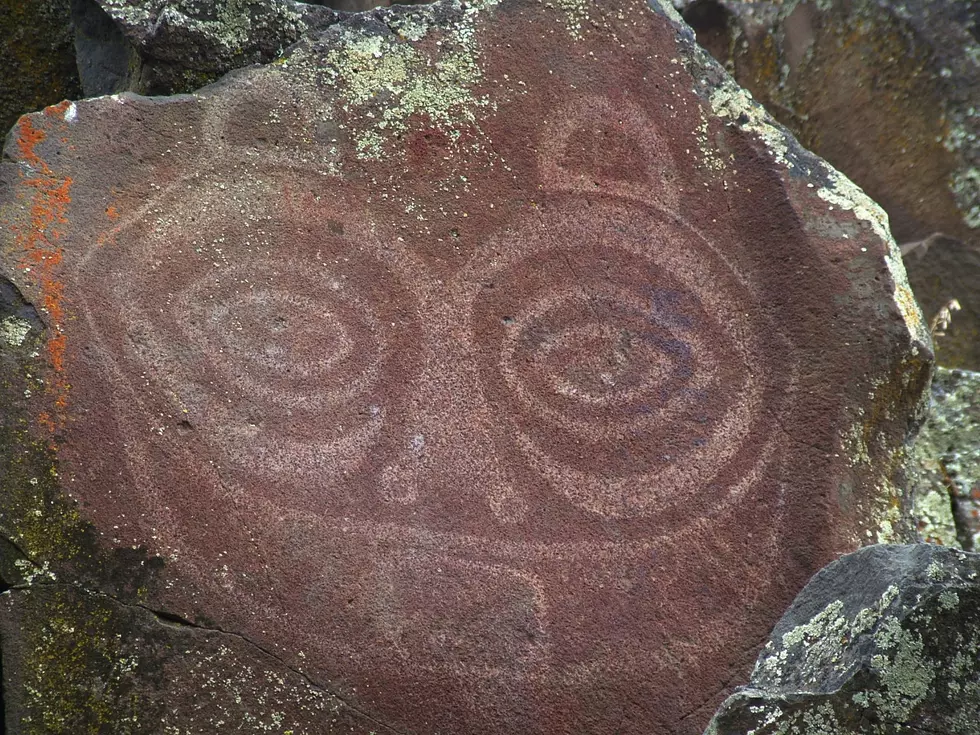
x=37 y=63
x=883 y=641
x=164 y=46
x=947 y=454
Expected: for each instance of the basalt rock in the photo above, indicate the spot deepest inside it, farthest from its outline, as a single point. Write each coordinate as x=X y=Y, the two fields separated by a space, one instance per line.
x=886 y=90
x=947 y=450
x=501 y=368
x=37 y=59
x=885 y=641
x=944 y=274
x=168 y=46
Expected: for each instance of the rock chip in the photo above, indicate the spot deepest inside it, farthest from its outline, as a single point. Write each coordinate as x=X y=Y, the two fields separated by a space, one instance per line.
x=947 y=450
x=498 y=367
x=883 y=641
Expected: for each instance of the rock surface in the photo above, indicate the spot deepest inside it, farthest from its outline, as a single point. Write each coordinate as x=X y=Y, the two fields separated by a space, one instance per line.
x=886 y=90
x=947 y=487
x=943 y=270
x=884 y=641
x=37 y=60
x=169 y=46
x=475 y=362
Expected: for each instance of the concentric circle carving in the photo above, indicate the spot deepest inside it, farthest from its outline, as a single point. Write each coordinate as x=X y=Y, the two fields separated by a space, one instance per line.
x=268 y=335
x=627 y=361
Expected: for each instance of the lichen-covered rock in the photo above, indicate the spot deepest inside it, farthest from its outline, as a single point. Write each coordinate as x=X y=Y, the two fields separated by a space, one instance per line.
x=886 y=90
x=884 y=641
x=79 y=662
x=477 y=361
x=947 y=451
x=168 y=46
x=37 y=59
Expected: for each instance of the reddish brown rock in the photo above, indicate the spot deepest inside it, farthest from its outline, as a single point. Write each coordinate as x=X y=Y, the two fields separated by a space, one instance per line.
x=501 y=368
x=888 y=92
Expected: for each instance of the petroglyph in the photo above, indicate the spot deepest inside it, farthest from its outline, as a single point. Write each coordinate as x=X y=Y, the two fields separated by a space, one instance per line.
x=513 y=420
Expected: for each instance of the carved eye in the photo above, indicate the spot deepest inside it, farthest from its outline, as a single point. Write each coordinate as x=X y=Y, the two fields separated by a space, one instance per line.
x=623 y=374
x=271 y=339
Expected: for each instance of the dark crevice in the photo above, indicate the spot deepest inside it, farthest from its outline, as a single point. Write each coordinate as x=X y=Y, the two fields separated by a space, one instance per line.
x=712 y=23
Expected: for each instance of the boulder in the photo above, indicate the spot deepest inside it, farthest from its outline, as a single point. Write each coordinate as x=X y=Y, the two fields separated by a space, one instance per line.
x=883 y=641
x=947 y=451
x=37 y=60
x=494 y=368
x=888 y=92
x=170 y=46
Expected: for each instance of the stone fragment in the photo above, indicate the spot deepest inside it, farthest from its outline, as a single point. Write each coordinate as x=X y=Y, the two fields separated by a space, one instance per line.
x=37 y=60
x=168 y=46
x=947 y=450
x=501 y=367
x=886 y=90
x=881 y=642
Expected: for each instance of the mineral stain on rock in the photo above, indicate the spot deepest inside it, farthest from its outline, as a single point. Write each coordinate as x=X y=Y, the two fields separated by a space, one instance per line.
x=412 y=391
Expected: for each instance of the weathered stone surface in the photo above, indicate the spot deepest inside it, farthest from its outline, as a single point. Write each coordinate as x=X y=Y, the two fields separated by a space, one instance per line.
x=886 y=90
x=947 y=450
x=943 y=270
x=37 y=61
x=884 y=641
x=478 y=362
x=167 y=46
x=93 y=665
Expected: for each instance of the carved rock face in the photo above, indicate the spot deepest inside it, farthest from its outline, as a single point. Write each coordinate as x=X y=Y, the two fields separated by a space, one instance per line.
x=501 y=368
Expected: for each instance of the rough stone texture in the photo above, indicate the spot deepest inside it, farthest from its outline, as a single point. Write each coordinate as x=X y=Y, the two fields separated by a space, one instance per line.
x=947 y=450
x=885 y=641
x=101 y=666
x=942 y=269
x=478 y=362
x=37 y=61
x=888 y=91
x=168 y=46
x=357 y=6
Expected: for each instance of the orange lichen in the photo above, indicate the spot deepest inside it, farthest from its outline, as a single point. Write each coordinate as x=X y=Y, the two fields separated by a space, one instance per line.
x=42 y=255
x=57 y=110
x=27 y=138
x=111 y=212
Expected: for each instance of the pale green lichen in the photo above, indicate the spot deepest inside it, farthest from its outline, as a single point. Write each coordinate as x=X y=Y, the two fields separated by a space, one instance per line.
x=934 y=516
x=947 y=459
x=575 y=13
x=948 y=600
x=966 y=189
x=905 y=676
x=389 y=85
x=14 y=331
